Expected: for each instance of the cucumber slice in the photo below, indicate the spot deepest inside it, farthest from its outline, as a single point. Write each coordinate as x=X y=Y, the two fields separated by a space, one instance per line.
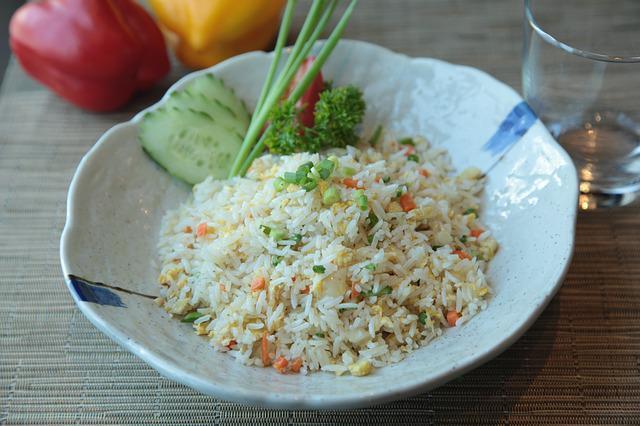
x=214 y=88
x=221 y=113
x=189 y=144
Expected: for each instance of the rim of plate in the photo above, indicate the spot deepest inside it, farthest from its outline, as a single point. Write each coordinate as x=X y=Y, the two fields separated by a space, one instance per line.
x=248 y=396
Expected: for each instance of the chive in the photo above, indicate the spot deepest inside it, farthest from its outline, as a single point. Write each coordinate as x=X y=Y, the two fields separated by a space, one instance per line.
x=275 y=260
x=305 y=41
x=290 y=177
x=279 y=184
x=469 y=211
x=413 y=157
x=463 y=239
x=407 y=141
x=422 y=317
x=318 y=269
x=370 y=238
x=321 y=335
x=386 y=179
x=296 y=238
x=191 y=316
x=375 y=138
x=277 y=234
x=330 y=196
x=348 y=171
x=275 y=91
x=370 y=266
x=310 y=185
x=283 y=33
x=372 y=220
x=435 y=247
x=345 y=309
x=265 y=229
x=325 y=168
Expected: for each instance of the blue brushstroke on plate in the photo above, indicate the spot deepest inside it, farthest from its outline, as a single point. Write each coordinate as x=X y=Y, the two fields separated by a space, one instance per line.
x=93 y=294
x=512 y=128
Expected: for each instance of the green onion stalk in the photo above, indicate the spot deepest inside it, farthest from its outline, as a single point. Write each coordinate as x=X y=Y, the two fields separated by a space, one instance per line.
x=318 y=17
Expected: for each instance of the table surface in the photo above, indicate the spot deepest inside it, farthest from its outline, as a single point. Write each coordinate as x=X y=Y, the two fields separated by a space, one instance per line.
x=579 y=363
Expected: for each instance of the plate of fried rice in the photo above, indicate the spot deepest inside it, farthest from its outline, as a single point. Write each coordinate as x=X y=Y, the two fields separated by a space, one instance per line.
x=410 y=260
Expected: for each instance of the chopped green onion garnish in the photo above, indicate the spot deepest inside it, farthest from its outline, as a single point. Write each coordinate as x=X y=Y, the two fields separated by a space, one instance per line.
x=290 y=177
x=321 y=335
x=318 y=269
x=279 y=184
x=370 y=239
x=361 y=199
x=345 y=309
x=386 y=179
x=372 y=220
x=469 y=211
x=407 y=141
x=330 y=196
x=325 y=168
x=265 y=229
x=191 y=316
x=422 y=317
x=463 y=239
x=305 y=167
x=383 y=291
x=277 y=234
x=370 y=266
x=309 y=185
x=275 y=260
x=413 y=157
x=435 y=247
x=297 y=238
x=348 y=171
x=376 y=136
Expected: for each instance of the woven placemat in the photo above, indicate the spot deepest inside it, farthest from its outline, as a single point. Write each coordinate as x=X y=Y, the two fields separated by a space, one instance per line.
x=579 y=364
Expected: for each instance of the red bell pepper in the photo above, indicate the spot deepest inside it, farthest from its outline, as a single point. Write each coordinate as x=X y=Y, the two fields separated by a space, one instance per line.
x=94 y=53
x=311 y=96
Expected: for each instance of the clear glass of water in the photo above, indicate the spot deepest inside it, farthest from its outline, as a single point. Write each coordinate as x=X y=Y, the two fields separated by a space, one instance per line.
x=581 y=75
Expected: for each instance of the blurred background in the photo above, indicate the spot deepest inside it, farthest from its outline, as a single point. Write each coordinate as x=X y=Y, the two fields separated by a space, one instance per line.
x=7 y=7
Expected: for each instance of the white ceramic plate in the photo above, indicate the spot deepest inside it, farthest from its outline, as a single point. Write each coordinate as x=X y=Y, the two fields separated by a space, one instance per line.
x=118 y=197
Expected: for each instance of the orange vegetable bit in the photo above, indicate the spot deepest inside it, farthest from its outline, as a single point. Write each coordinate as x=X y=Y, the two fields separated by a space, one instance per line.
x=476 y=232
x=305 y=290
x=202 y=229
x=280 y=364
x=424 y=172
x=232 y=344
x=452 y=317
x=351 y=183
x=378 y=179
x=461 y=254
x=296 y=364
x=266 y=359
x=406 y=202
x=258 y=283
x=354 y=293
x=187 y=230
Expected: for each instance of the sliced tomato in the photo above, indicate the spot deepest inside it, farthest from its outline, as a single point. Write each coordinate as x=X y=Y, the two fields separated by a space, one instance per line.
x=307 y=102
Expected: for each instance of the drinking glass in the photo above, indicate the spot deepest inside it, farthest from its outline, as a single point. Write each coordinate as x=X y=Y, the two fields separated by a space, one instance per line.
x=581 y=75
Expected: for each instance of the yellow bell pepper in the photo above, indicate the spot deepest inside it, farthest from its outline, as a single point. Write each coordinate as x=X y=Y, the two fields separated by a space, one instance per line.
x=205 y=32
